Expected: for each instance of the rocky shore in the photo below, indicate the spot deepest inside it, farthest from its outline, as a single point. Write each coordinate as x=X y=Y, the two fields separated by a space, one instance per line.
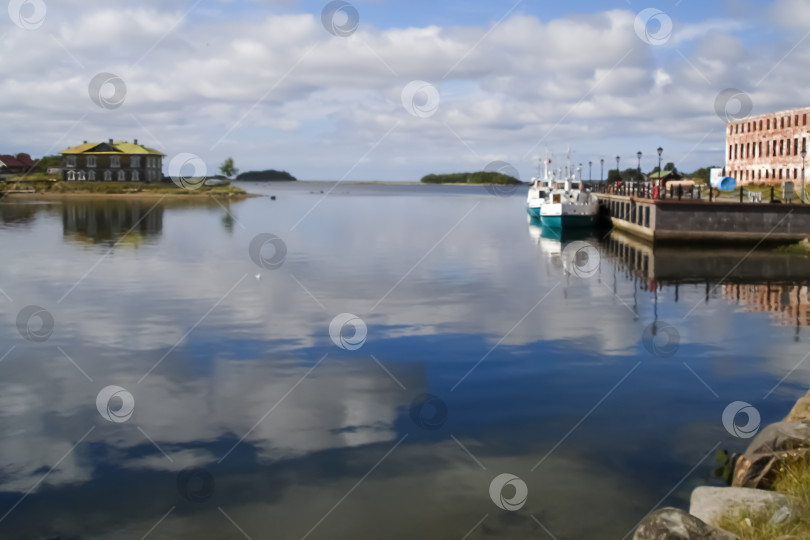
x=752 y=506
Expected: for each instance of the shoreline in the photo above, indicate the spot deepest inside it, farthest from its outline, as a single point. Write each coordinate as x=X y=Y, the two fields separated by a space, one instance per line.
x=134 y=195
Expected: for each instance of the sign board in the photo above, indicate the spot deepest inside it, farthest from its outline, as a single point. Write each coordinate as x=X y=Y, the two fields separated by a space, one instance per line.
x=787 y=188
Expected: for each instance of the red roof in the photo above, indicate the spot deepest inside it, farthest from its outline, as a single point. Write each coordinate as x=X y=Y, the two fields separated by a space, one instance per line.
x=26 y=160
x=10 y=162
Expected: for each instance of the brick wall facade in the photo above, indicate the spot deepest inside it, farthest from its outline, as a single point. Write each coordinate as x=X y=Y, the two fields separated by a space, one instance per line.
x=767 y=148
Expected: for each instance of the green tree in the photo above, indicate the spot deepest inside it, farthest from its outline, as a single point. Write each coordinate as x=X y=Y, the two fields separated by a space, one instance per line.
x=227 y=168
x=670 y=167
x=613 y=176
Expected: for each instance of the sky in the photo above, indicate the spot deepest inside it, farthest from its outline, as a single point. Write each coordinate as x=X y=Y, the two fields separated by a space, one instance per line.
x=394 y=90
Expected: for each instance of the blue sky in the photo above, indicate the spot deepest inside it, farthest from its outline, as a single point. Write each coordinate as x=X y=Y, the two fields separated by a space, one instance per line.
x=417 y=87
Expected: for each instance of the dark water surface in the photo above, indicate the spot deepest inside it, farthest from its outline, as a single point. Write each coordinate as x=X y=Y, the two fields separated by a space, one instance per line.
x=249 y=421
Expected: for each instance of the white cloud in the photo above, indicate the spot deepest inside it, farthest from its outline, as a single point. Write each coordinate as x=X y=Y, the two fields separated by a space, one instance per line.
x=283 y=82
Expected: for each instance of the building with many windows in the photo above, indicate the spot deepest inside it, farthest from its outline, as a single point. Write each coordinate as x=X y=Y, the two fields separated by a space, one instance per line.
x=112 y=162
x=767 y=148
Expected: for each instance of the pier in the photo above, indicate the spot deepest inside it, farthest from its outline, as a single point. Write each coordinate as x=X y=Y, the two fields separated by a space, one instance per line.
x=694 y=219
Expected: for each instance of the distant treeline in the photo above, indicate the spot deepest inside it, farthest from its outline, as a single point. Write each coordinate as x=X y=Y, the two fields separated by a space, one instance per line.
x=470 y=178
x=266 y=176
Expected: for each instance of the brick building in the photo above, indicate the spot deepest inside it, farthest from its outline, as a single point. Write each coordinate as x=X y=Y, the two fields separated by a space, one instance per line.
x=767 y=148
x=112 y=162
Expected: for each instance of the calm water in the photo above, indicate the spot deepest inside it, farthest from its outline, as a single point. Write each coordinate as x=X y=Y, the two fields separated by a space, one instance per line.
x=249 y=421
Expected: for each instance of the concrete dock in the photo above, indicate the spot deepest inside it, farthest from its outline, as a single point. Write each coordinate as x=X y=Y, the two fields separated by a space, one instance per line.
x=701 y=221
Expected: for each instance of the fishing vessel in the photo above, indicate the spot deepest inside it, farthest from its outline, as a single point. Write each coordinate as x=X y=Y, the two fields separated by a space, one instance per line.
x=560 y=200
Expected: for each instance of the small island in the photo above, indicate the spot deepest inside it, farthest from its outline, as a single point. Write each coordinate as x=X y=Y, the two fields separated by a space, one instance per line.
x=481 y=177
x=270 y=175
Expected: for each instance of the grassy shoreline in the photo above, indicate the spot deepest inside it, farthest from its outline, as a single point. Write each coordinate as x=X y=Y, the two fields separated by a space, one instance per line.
x=47 y=189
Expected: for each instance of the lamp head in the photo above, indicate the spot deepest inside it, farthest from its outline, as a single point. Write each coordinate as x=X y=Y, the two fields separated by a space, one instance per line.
x=660 y=151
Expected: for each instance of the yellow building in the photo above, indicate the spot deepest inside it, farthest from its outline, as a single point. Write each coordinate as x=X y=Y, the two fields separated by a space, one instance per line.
x=112 y=162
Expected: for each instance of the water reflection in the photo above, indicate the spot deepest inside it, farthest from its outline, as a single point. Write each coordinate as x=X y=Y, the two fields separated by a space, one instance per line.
x=234 y=372
x=111 y=221
x=761 y=281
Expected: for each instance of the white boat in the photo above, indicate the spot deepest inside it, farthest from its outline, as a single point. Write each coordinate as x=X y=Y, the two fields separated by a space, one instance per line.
x=560 y=201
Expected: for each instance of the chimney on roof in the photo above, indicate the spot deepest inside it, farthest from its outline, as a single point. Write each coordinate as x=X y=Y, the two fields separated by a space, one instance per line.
x=85 y=142
x=136 y=141
x=111 y=141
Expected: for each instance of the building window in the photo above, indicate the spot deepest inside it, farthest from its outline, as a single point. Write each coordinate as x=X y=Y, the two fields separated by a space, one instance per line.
x=788 y=123
x=795 y=173
x=81 y=176
x=135 y=176
x=115 y=161
x=71 y=161
x=768 y=123
x=805 y=119
x=91 y=175
x=796 y=146
x=788 y=147
x=135 y=162
x=122 y=176
x=71 y=176
x=782 y=147
x=760 y=149
x=91 y=161
x=783 y=122
x=760 y=125
x=108 y=176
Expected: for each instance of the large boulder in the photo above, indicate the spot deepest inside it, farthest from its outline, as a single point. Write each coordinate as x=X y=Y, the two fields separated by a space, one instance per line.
x=711 y=503
x=674 y=524
x=776 y=443
x=801 y=410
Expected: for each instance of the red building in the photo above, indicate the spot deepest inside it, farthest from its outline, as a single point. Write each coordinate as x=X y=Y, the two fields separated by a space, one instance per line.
x=767 y=148
x=21 y=163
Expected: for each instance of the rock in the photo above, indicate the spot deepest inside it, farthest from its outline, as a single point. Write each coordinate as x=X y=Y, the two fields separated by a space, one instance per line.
x=710 y=503
x=800 y=411
x=774 y=444
x=674 y=524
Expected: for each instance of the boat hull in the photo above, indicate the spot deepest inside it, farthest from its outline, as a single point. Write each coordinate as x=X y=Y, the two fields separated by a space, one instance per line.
x=568 y=221
x=533 y=211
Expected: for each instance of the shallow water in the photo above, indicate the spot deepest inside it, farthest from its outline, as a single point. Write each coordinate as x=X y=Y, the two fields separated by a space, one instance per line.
x=249 y=420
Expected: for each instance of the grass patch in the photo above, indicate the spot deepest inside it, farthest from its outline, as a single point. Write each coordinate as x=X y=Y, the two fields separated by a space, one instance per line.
x=765 y=189
x=793 y=480
x=116 y=188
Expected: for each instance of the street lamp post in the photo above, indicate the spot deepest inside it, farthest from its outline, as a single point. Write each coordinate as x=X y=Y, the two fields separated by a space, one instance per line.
x=660 y=151
x=590 y=171
x=638 y=155
x=602 y=171
x=804 y=156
